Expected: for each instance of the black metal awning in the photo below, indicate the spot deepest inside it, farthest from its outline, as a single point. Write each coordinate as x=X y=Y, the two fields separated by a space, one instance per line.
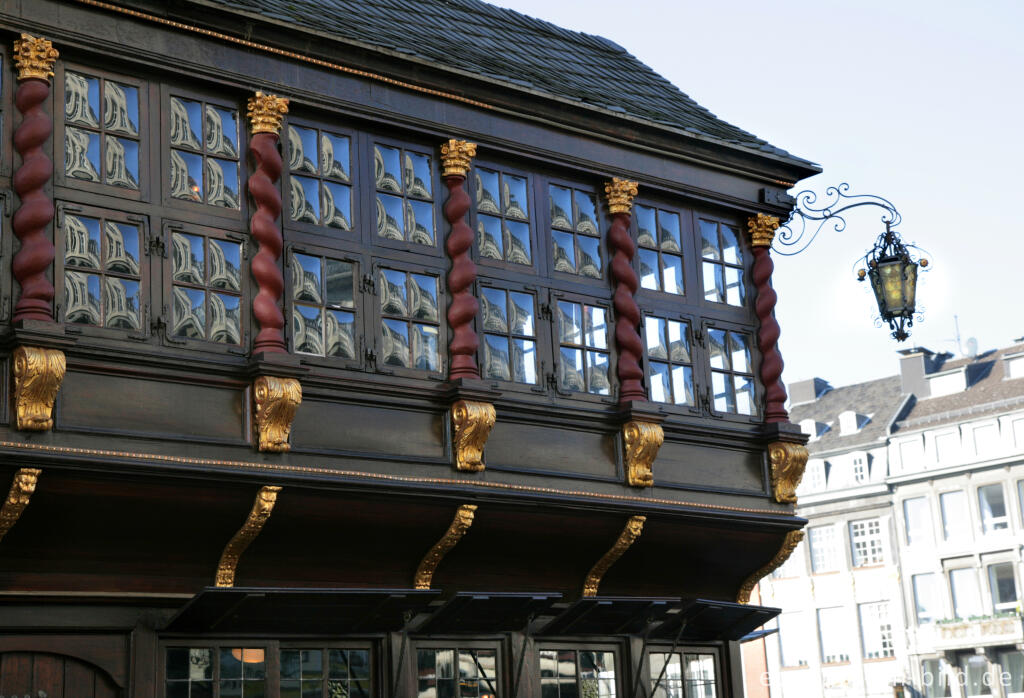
x=609 y=615
x=483 y=612
x=306 y=611
x=701 y=619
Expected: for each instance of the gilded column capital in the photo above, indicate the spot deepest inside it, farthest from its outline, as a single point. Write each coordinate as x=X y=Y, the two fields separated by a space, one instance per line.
x=620 y=194
x=34 y=57
x=460 y=524
x=456 y=157
x=262 y=508
x=38 y=373
x=472 y=422
x=641 y=441
x=266 y=112
x=788 y=461
x=276 y=400
x=762 y=229
x=788 y=546
x=634 y=527
x=22 y=487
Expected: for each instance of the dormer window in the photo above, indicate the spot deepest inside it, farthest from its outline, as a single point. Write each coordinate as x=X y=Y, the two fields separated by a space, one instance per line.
x=947 y=383
x=1013 y=366
x=813 y=428
x=850 y=422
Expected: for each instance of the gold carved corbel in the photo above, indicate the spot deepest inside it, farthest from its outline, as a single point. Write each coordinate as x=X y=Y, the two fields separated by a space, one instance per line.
x=266 y=498
x=38 y=374
x=634 y=527
x=460 y=524
x=792 y=539
x=762 y=229
x=276 y=400
x=788 y=462
x=641 y=441
x=22 y=487
x=34 y=57
x=472 y=422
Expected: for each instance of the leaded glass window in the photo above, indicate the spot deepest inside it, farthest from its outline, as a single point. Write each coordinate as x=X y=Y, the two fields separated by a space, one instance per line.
x=575 y=232
x=732 y=373
x=207 y=288
x=323 y=306
x=101 y=130
x=660 y=253
x=669 y=362
x=502 y=216
x=320 y=189
x=456 y=673
x=204 y=140
x=510 y=336
x=583 y=362
x=405 y=198
x=723 y=263
x=410 y=320
x=325 y=673
x=215 y=672
x=570 y=673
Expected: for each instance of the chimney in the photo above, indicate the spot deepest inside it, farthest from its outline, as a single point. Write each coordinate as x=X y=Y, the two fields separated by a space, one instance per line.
x=808 y=390
x=916 y=363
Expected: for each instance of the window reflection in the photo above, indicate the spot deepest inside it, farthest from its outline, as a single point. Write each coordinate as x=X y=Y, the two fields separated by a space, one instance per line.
x=204 y=154
x=503 y=214
x=404 y=182
x=109 y=297
x=410 y=325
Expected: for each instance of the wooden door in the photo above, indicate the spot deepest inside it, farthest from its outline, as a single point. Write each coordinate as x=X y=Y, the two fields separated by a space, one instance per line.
x=42 y=675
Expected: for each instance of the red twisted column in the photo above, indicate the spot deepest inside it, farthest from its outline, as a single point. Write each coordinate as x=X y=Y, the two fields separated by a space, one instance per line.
x=265 y=112
x=762 y=231
x=620 y=193
x=35 y=58
x=455 y=157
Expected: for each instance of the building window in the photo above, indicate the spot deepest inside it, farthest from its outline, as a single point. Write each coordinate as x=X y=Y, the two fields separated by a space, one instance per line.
x=410 y=322
x=572 y=673
x=320 y=167
x=215 y=672
x=876 y=630
x=405 y=200
x=101 y=132
x=919 y=521
x=723 y=263
x=502 y=217
x=966 y=595
x=860 y=470
x=824 y=548
x=866 y=539
x=207 y=287
x=732 y=379
x=955 y=515
x=510 y=336
x=323 y=306
x=660 y=249
x=455 y=673
x=583 y=364
x=834 y=635
x=324 y=673
x=793 y=639
x=1012 y=664
x=927 y=600
x=204 y=152
x=669 y=362
x=102 y=271
x=935 y=678
x=674 y=675
x=815 y=476
x=575 y=235
x=975 y=675
x=992 y=507
x=1003 y=586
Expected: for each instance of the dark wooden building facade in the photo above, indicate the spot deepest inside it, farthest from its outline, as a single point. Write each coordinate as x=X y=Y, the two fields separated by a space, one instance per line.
x=378 y=349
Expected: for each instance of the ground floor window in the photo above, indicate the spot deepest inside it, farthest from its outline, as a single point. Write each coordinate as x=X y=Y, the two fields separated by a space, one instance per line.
x=216 y=672
x=571 y=673
x=683 y=675
x=456 y=673
x=935 y=679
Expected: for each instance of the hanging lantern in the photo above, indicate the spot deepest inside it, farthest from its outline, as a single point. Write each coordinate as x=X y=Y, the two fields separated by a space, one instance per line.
x=892 y=272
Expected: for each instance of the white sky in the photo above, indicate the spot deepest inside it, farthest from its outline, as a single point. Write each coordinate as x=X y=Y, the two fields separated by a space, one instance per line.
x=919 y=102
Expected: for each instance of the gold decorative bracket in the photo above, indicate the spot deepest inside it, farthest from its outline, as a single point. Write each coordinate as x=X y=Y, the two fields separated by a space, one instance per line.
x=34 y=57
x=22 y=487
x=641 y=441
x=762 y=229
x=38 y=374
x=620 y=194
x=276 y=400
x=456 y=157
x=472 y=423
x=788 y=461
x=460 y=524
x=266 y=112
x=266 y=498
x=634 y=527
x=788 y=546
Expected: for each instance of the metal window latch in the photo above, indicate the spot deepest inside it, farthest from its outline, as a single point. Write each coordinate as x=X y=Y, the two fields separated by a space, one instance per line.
x=156 y=245
x=368 y=284
x=371 y=357
x=552 y=380
x=705 y=399
x=545 y=311
x=699 y=336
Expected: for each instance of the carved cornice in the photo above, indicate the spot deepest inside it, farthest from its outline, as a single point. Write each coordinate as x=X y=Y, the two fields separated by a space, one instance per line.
x=276 y=400
x=456 y=157
x=762 y=229
x=34 y=57
x=620 y=194
x=641 y=441
x=788 y=461
x=266 y=112
x=788 y=545
x=22 y=487
x=460 y=524
x=38 y=373
x=266 y=498
x=471 y=423
x=634 y=527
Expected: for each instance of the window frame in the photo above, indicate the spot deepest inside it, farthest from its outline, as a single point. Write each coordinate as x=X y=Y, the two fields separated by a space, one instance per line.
x=978 y=599
x=966 y=530
x=936 y=596
x=832 y=551
x=745 y=308
x=686 y=254
x=556 y=279
x=682 y=651
x=459 y=643
x=989 y=570
x=992 y=526
x=376 y=321
x=698 y=357
x=503 y=267
x=554 y=297
x=376 y=683
x=883 y=618
x=868 y=538
x=543 y=329
x=618 y=650
x=928 y=529
x=757 y=398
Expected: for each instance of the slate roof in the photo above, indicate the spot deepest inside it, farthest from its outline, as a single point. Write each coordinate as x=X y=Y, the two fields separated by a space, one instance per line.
x=878 y=399
x=511 y=48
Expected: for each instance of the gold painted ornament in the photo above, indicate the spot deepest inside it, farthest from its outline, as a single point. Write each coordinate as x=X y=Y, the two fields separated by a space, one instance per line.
x=38 y=373
x=275 y=400
x=471 y=423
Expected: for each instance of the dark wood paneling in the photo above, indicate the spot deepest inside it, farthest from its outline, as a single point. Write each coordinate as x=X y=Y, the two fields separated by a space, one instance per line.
x=331 y=426
x=554 y=450
x=44 y=670
x=703 y=467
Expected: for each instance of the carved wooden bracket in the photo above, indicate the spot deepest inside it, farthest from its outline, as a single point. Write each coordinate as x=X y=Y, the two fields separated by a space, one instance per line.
x=460 y=524
x=788 y=461
x=38 y=373
x=276 y=400
x=22 y=487
x=641 y=441
x=634 y=527
x=266 y=498
x=788 y=545
x=471 y=423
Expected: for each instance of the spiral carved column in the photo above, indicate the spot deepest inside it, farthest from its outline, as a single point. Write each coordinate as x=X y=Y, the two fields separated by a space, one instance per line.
x=641 y=435
x=762 y=231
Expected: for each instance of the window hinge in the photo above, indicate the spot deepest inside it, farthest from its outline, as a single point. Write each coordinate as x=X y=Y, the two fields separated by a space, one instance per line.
x=371 y=358
x=369 y=284
x=699 y=336
x=551 y=379
x=545 y=311
x=156 y=245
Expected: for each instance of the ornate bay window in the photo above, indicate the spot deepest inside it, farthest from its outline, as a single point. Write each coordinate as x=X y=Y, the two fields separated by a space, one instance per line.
x=204 y=152
x=410 y=319
x=509 y=344
x=207 y=285
x=324 y=306
x=575 y=232
x=320 y=179
x=732 y=372
x=584 y=353
x=405 y=199
x=502 y=216
x=669 y=361
x=660 y=253
x=722 y=267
